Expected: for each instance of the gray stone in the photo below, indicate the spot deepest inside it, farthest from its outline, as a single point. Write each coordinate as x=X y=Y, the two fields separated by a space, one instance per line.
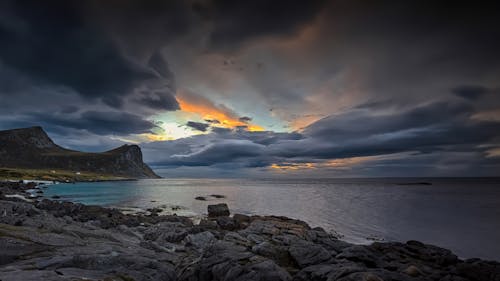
x=306 y=253
x=200 y=240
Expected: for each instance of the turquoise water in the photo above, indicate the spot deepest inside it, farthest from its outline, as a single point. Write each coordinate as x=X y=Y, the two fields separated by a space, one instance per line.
x=459 y=214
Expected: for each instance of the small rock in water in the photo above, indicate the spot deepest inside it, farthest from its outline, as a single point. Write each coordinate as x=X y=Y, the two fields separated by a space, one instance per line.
x=375 y=238
x=56 y=197
x=218 y=210
x=219 y=196
x=201 y=198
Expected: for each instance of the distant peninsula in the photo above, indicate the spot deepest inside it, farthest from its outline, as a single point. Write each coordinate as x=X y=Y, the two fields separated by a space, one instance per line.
x=29 y=153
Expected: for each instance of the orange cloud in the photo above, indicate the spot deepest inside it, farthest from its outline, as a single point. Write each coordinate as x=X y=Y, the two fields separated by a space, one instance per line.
x=340 y=163
x=287 y=166
x=206 y=110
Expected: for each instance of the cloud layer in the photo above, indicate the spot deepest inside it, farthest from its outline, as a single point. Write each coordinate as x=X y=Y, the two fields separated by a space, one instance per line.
x=257 y=87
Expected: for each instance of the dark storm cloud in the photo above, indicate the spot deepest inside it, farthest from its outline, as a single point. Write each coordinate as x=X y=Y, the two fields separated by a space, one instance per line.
x=54 y=45
x=97 y=122
x=413 y=78
x=470 y=92
x=59 y=43
x=157 y=100
x=238 y=21
x=430 y=128
x=198 y=126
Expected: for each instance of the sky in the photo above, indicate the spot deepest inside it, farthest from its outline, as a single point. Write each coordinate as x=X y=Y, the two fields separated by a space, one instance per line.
x=221 y=88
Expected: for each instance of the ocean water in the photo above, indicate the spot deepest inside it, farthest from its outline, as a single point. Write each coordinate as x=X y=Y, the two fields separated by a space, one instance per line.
x=459 y=214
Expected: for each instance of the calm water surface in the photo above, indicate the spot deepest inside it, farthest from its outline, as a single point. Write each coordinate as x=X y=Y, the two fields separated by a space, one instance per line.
x=460 y=214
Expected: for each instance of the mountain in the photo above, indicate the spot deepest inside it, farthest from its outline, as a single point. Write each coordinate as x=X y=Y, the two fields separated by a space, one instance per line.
x=31 y=148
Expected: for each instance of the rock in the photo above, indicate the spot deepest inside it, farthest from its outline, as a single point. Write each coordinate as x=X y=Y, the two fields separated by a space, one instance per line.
x=218 y=210
x=306 y=253
x=242 y=220
x=227 y=261
x=371 y=277
x=200 y=240
x=412 y=271
x=226 y=223
x=53 y=240
x=475 y=269
x=166 y=232
x=200 y=198
x=277 y=253
x=207 y=224
x=218 y=196
x=327 y=272
x=56 y=197
x=237 y=239
x=155 y=210
x=360 y=254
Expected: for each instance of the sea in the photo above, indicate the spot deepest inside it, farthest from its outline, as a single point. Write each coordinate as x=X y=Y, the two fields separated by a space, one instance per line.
x=461 y=214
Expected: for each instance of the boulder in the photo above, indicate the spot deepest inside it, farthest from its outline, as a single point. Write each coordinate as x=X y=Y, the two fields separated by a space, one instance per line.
x=218 y=210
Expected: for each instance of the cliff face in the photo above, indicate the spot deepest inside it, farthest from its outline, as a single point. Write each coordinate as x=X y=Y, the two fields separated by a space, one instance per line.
x=31 y=148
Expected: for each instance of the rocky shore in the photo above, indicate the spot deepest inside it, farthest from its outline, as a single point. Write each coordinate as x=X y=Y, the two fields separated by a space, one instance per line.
x=42 y=239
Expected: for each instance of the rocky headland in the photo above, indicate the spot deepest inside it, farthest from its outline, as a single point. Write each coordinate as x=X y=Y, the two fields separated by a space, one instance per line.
x=31 y=153
x=42 y=239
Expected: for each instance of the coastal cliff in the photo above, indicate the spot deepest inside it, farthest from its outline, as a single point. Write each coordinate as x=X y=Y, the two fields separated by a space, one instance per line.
x=32 y=149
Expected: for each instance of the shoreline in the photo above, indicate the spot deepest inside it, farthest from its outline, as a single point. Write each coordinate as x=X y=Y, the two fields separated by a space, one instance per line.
x=51 y=240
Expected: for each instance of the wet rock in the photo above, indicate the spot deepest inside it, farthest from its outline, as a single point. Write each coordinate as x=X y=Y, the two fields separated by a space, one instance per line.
x=218 y=196
x=218 y=210
x=56 y=197
x=200 y=198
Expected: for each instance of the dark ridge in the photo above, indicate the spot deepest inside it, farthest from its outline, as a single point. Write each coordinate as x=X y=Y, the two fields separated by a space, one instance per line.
x=32 y=148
